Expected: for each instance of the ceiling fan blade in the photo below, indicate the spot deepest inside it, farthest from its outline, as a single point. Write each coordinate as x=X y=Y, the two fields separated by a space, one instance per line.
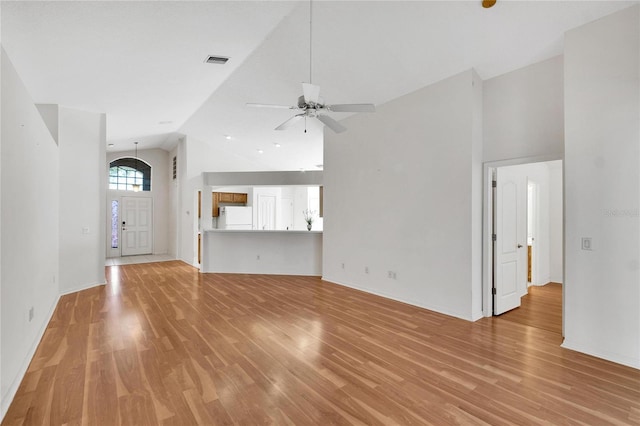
x=271 y=106
x=311 y=93
x=352 y=108
x=331 y=123
x=290 y=122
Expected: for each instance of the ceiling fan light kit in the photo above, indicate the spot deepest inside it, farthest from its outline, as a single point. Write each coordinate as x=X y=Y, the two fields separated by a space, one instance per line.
x=311 y=105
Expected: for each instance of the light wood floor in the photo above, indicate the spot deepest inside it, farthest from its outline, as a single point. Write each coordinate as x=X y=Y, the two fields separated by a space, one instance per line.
x=540 y=308
x=161 y=344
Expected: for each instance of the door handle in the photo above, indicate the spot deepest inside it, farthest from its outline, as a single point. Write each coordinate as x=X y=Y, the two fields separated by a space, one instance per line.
x=519 y=245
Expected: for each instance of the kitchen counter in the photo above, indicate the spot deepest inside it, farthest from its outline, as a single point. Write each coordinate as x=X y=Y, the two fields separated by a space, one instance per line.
x=281 y=252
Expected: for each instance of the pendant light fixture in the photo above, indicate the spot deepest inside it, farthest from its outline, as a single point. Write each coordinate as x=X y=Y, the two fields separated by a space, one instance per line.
x=136 y=186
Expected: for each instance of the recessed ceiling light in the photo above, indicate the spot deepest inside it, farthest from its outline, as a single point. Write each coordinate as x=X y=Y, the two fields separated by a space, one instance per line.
x=227 y=137
x=110 y=145
x=260 y=151
x=220 y=60
x=277 y=145
x=165 y=122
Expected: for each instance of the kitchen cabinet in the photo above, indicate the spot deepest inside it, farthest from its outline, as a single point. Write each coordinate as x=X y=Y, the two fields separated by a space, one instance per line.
x=227 y=198
x=239 y=198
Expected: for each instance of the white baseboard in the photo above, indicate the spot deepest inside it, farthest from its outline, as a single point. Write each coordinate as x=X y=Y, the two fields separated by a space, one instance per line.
x=434 y=308
x=598 y=353
x=84 y=287
x=7 y=398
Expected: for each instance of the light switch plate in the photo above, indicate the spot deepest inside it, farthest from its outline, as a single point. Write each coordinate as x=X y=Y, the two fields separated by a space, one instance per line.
x=587 y=243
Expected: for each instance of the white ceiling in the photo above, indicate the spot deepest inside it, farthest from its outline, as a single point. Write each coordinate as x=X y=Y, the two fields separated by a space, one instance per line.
x=143 y=62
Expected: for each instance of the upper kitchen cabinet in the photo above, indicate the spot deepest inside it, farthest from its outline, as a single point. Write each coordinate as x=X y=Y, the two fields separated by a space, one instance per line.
x=239 y=198
x=227 y=198
x=224 y=197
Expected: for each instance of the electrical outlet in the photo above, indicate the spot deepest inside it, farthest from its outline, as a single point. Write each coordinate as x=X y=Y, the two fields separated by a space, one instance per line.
x=258 y=257
x=366 y=269
x=30 y=314
x=343 y=266
x=391 y=275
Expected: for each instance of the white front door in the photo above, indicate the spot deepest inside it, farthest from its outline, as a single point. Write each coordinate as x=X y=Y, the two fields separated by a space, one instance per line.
x=510 y=249
x=137 y=226
x=266 y=211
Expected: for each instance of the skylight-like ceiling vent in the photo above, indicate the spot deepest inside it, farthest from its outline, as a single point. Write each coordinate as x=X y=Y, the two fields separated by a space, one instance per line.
x=220 y=60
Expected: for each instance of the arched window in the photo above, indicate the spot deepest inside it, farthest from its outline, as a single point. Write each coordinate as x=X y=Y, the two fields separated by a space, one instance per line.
x=124 y=173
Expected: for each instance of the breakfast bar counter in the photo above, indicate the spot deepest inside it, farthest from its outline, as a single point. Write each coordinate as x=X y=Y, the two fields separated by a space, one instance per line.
x=262 y=252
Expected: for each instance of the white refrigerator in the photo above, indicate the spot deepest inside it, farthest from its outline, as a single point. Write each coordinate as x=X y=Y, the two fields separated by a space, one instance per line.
x=235 y=217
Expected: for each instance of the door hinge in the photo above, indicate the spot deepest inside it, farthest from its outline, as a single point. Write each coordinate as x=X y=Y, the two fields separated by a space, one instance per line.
x=493 y=290
x=494 y=237
x=494 y=184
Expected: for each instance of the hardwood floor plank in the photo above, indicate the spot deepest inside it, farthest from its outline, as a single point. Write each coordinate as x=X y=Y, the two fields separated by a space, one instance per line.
x=540 y=308
x=161 y=344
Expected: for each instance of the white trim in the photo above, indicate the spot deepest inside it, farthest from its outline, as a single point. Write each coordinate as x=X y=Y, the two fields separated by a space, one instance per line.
x=82 y=288
x=589 y=349
x=434 y=308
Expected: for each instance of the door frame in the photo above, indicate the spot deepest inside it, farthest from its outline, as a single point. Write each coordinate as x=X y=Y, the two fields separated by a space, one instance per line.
x=488 y=169
x=535 y=221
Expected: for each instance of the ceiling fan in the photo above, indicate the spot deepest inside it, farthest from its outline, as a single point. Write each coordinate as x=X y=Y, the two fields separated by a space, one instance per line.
x=311 y=105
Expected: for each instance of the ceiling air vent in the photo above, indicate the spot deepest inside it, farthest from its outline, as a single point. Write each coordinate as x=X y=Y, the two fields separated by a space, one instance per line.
x=220 y=60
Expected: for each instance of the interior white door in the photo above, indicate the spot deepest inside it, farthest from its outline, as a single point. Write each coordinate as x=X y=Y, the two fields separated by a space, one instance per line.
x=266 y=212
x=137 y=226
x=510 y=249
x=287 y=212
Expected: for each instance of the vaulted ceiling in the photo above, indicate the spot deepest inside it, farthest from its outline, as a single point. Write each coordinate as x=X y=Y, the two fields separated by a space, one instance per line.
x=142 y=63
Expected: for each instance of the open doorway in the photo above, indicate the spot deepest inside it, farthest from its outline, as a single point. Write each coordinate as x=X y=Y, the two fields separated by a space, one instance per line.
x=524 y=256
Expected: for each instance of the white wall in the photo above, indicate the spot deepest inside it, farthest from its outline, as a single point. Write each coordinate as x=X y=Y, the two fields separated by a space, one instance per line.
x=523 y=113
x=423 y=143
x=555 y=222
x=29 y=221
x=83 y=177
x=602 y=187
x=160 y=163
x=2 y=394
x=190 y=182
x=51 y=116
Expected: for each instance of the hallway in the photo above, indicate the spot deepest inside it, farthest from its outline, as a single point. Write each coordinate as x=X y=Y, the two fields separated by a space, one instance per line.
x=541 y=308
